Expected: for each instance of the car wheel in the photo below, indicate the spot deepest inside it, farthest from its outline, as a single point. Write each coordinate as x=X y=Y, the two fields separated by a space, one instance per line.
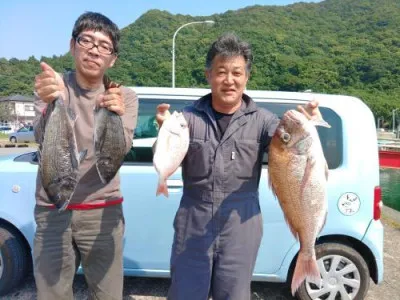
x=13 y=139
x=14 y=260
x=344 y=275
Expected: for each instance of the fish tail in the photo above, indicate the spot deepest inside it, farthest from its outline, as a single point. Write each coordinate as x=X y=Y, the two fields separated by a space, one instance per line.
x=306 y=266
x=162 y=188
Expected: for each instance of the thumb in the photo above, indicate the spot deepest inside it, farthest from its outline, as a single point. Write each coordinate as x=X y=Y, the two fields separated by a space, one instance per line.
x=161 y=108
x=46 y=67
x=314 y=103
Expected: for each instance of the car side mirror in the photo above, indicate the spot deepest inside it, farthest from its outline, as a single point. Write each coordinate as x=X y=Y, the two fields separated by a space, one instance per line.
x=35 y=157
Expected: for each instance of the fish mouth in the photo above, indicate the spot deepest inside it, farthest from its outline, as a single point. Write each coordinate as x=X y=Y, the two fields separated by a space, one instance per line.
x=293 y=117
x=174 y=132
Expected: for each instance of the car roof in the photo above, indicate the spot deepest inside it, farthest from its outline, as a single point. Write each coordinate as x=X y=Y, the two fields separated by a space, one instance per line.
x=259 y=94
x=334 y=101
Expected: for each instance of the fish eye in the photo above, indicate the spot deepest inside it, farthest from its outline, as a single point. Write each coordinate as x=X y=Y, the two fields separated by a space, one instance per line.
x=285 y=137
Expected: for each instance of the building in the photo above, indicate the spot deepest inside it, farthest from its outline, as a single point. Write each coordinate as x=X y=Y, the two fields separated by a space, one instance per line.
x=22 y=111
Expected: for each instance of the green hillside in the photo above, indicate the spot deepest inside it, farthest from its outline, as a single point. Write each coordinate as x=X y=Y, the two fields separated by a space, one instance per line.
x=335 y=46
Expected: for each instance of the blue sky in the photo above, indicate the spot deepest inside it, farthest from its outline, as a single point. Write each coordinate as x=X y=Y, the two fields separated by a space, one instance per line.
x=43 y=27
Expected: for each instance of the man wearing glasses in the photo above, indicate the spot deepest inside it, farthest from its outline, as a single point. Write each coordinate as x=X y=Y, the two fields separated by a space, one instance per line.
x=90 y=231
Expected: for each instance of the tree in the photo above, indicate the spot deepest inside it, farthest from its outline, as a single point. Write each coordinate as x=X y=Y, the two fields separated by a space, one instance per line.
x=6 y=113
x=334 y=46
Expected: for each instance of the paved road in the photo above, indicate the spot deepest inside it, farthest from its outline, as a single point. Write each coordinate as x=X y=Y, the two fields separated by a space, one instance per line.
x=156 y=289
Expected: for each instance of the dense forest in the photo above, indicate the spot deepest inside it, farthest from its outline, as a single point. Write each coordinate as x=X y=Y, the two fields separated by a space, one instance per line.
x=336 y=46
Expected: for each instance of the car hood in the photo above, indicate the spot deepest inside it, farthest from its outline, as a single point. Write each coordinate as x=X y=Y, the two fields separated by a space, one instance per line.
x=9 y=157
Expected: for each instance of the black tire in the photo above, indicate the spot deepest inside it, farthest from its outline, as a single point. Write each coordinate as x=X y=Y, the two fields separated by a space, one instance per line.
x=13 y=139
x=14 y=260
x=348 y=257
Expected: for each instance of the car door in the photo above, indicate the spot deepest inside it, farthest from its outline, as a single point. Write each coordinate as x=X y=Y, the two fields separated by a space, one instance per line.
x=149 y=219
x=21 y=134
x=31 y=136
x=25 y=134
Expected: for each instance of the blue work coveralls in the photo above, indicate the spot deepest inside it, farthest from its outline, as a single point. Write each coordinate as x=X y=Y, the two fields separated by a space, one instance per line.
x=218 y=226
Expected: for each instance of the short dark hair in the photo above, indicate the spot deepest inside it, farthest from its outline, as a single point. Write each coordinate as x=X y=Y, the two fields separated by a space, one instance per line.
x=229 y=45
x=97 y=22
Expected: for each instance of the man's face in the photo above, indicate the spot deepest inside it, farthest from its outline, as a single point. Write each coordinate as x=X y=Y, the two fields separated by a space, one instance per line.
x=227 y=79
x=92 y=63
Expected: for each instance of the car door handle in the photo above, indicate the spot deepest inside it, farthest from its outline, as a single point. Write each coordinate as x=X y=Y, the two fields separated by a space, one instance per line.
x=174 y=183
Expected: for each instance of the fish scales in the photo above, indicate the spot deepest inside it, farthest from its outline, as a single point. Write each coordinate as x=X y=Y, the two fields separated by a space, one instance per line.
x=298 y=175
x=171 y=148
x=58 y=155
x=109 y=140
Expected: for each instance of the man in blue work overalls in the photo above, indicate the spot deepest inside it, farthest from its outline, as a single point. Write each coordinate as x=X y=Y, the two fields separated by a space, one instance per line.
x=218 y=226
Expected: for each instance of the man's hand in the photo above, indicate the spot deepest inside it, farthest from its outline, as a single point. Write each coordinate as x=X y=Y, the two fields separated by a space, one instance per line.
x=162 y=113
x=311 y=110
x=113 y=100
x=49 y=85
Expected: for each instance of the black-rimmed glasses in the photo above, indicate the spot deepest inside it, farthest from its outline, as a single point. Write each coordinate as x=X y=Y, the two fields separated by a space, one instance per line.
x=87 y=43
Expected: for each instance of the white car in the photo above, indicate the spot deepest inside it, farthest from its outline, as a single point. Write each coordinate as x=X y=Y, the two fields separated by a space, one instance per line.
x=24 y=134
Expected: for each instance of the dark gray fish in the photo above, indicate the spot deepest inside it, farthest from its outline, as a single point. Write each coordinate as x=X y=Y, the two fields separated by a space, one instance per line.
x=109 y=140
x=58 y=155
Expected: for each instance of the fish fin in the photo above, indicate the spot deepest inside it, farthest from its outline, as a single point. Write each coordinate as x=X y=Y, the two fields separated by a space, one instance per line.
x=270 y=183
x=320 y=122
x=326 y=171
x=102 y=179
x=292 y=230
x=323 y=222
x=72 y=115
x=306 y=267
x=74 y=160
x=82 y=155
x=63 y=206
x=162 y=188
x=307 y=175
x=271 y=186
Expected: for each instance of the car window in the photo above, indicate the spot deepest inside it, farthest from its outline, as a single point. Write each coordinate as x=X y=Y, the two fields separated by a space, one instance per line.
x=146 y=129
x=23 y=129
x=331 y=138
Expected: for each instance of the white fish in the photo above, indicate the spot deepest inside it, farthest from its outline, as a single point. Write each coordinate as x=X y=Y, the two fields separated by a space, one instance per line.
x=171 y=148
